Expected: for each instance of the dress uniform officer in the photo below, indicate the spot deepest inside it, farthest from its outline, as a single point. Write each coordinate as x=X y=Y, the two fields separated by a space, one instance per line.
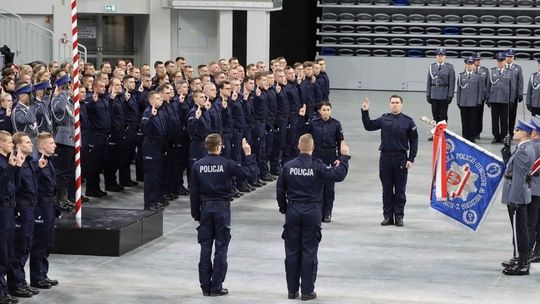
x=42 y=104
x=517 y=195
x=327 y=134
x=517 y=87
x=24 y=114
x=133 y=121
x=210 y=196
x=299 y=193
x=45 y=214
x=441 y=81
x=484 y=74
x=8 y=168
x=155 y=136
x=98 y=113
x=398 y=135
x=6 y=104
x=26 y=200
x=63 y=115
x=470 y=94
x=499 y=97
x=533 y=209
x=533 y=92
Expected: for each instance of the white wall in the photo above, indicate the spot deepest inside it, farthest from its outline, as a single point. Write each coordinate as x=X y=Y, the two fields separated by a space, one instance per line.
x=196 y=36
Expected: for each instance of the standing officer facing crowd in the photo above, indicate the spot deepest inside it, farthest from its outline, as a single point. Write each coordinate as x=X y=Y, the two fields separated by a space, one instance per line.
x=398 y=135
x=299 y=193
x=210 y=195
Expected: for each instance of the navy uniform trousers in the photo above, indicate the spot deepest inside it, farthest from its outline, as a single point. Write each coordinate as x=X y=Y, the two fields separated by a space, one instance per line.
x=302 y=235
x=22 y=242
x=393 y=175
x=42 y=242
x=7 y=226
x=214 y=227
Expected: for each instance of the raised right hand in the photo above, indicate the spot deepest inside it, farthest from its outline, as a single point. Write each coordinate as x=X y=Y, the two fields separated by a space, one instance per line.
x=302 y=111
x=344 y=149
x=365 y=104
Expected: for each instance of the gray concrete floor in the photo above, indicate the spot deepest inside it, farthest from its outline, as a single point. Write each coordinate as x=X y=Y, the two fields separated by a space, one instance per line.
x=430 y=260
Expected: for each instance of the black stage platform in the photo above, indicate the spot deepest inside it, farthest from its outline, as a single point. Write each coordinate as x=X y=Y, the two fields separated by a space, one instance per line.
x=106 y=232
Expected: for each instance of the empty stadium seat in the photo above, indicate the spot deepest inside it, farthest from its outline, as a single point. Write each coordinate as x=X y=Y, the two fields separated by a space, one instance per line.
x=486 y=43
x=451 y=42
x=416 y=30
x=489 y=19
x=346 y=17
x=381 y=17
x=525 y=3
x=525 y=44
x=505 y=44
x=382 y=2
x=471 y=2
x=398 y=53
x=363 y=41
x=416 y=41
x=329 y=28
x=524 y=20
x=363 y=29
x=400 y=2
x=381 y=41
x=507 y=3
x=486 y=54
x=486 y=31
x=470 y=19
x=398 y=41
x=345 y=52
x=380 y=53
x=503 y=31
x=452 y=54
x=469 y=31
x=433 y=42
x=451 y=30
x=398 y=30
x=433 y=30
x=364 y=17
x=435 y=2
x=452 y=2
x=434 y=18
x=328 y=51
x=464 y=54
x=362 y=52
x=468 y=43
x=346 y=29
x=346 y=40
x=417 y=2
x=505 y=19
x=523 y=32
x=488 y=3
x=523 y=56
x=399 y=18
x=329 y=16
x=381 y=29
x=452 y=19
x=415 y=53
x=329 y=40
x=430 y=53
x=417 y=18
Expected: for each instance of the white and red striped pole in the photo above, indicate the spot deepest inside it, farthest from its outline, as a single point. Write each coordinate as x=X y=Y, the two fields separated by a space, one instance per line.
x=77 y=105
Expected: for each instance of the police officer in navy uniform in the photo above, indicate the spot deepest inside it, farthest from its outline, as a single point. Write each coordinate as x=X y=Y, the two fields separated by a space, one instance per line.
x=8 y=168
x=45 y=214
x=484 y=74
x=63 y=115
x=6 y=105
x=292 y=89
x=470 y=94
x=299 y=195
x=26 y=199
x=42 y=101
x=533 y=92
x=153 y=150
x=210 y=196
x=398 y=135
x=116 y=142
x=500 y=95
x=327 y=134
x=199 y=126
x=281 y=124
x=516 y=196
x=133 y=120
x=99 y=123
x=441 y=81
x=517 y=87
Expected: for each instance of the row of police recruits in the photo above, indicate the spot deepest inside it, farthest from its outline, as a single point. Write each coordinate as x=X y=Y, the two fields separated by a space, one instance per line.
x=500 y=88
x=27 y=213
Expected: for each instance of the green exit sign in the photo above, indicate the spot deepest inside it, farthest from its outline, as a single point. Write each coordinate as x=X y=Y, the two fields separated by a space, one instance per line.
x=110 y=8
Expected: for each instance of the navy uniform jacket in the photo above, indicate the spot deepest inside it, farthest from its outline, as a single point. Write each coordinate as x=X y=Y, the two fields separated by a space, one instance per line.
x=5 y=121
x=98 y=114
x=24 y=120
x=515 y=188
x=237 y=114
x=272 y=106
x=293 y=95
x=216 y=118
x=226 y=117
x=43 y=115
x=500 y=88
x=398 y=133
x=47 y=180
x=302 y=179
x=327 y=136
x=307 y=93
x=249 y=114
x=62 y=110
x=470 y=90
x=260 y=106
x=8 y=182
x=326 y=87
x=183 y=109
x=199 y=128
x=155 y=133
x=533 y=91
x=318 y=89
x=517 y=81
x=283 y=107
x=117 y=111
x=27 y=192
x=441 y=81
x=142 y=100
x=212 y=178
x=131 y=110
x=169 y=114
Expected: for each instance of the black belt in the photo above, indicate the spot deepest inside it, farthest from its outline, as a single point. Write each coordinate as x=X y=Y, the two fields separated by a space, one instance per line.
x=303 y=203
x=47 y=199
x=7 y=204
x=21 y=204
x=393 y=153
x=440 y=85
x=216 y=204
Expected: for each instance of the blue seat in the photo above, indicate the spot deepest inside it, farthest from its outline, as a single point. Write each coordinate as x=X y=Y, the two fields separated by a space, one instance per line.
x=328 y=51
x=451 y=30
x=415 y=53
x=401 y=2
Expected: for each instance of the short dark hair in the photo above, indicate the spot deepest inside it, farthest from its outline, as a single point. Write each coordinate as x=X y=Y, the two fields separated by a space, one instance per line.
x=396 y=96
x=212 y=142
x=158 y=62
